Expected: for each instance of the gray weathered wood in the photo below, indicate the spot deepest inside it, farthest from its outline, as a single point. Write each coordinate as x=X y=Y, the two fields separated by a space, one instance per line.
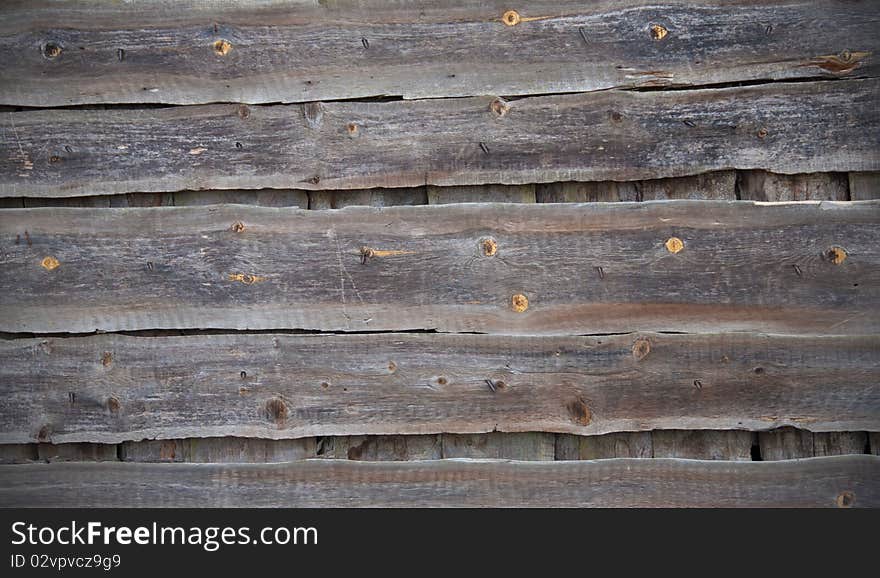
x=766 y=186
x=263 y=198
x=864 y=186
x=839 y=443
x=586 y=268
x=381 y=448
x=194 y=52
x=77 y=452
x=613 y=445
x=785 y=444
x=18 y=453
x=367 y=197
x=576 y=137
x=849 y=481
x=218 y=450
x=534 y=446
x=482 y=193
x=286 y=386
x=732 y=445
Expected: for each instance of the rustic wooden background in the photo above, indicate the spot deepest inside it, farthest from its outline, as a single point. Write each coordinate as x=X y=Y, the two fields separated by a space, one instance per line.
x=372 y=253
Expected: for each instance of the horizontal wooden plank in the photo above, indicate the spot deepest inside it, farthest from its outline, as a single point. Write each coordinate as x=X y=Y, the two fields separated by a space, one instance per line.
x=195 y=52
x=112 y=388
x=840 y=481
x=492 y=268
x=609 y=135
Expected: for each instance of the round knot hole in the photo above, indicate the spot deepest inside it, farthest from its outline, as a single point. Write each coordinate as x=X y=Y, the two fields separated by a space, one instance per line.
x=511 y=18
x=51 y=50
x=658 y=32
x=49 y=263
x=222 y=47
x=641 y=348
x=846 y=499
x=519 y=302
x=674 y=245
x=489 y=246
x=836 y=255
x=499 y=106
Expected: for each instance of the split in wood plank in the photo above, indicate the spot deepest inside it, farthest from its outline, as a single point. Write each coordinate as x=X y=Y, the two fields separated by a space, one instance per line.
x=839 y=481
x=576 y=137
x=114 y=388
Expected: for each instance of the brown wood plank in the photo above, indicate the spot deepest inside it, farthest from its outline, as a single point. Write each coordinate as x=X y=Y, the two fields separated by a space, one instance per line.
x=766 y=186
x=533 y=446
x=840 y=481
x=613 y=445
x=77 y=452
x=587 y=268
x=381 y=448
x=262 y=198
x=786 y=443
x=18 y=453
x=218 y=450
x=367 y=197
x=286 y=386
x=874 y=438
x=609 y=135
x=481 y=194
x=839 y=443
x=732 y=445
x=185 y=53
x=864 y=186
x=717 y=185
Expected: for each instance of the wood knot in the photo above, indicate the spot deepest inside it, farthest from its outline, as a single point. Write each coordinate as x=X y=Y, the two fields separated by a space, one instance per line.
x=246 y=278
x=579 y=412
x=222 y=47
x=762 y=132
x=658 y=32
x=442 y=381
x=489 y=246
x=51 y=50
x=836 y=255
x=113 y=404
x=107 y=359
x=846 y=499
x=49 y=263
x=519 y=302
x=276 y=409
x=616 y=116
x=674 y=245
x=243 y=111
x=499 y=106
x=641 y=348
x=352 y=129
x=237 y=227
x=511 y=18
x=392 y=367
x=45 y=433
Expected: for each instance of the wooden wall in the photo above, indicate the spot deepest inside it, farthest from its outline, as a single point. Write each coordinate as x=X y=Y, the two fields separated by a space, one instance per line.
x=366 y=253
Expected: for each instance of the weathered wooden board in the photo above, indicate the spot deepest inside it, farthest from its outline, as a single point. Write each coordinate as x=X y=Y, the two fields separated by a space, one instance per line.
x=717 y=185
x=864 y=186
x=787 y=128
x=381 y=448
x=735 y=445
x=262 y=198
x=481 y=193
x=613 y=445
x=218 y=450
x=367 y=197
x=77 y=452
x=839 y=443
x=764 y=186
x=495 y=268
x=18 y=453
x=293 y=51
x=786 y=443
x=534 y=446
x=840 y=481
x=113 y=388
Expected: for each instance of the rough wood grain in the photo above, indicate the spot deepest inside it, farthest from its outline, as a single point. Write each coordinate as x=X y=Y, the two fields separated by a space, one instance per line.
x=532 y=446
x=367 y=197
x=218 y=450
x=262 y=198
x=717 y=185
x=482 y=193
x=195 y=52
x=839 y=443
x=766 y=186
x=732 y=445
x=77 y=452
x=586 y=268
x=285 y=386
x=18 y=453
x=785 y=444
x=576 y=137
x=840 y=481
x=864 y=186
x=381 y=448
x=613 y=445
